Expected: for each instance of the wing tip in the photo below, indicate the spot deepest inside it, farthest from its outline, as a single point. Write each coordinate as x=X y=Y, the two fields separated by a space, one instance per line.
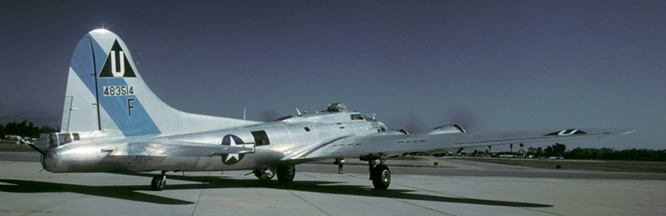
x=628 y=132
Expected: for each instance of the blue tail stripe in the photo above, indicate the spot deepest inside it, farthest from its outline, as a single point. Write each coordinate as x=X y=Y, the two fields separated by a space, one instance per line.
x=82 y=64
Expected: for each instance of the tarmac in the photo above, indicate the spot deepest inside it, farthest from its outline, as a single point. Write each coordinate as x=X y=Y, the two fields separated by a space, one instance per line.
x=454 y=187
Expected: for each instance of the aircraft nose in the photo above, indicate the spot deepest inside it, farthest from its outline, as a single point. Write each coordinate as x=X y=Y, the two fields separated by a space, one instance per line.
x=49 y=160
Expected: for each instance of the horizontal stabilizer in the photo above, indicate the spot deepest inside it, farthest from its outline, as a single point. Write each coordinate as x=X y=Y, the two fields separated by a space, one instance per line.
x=41 y=146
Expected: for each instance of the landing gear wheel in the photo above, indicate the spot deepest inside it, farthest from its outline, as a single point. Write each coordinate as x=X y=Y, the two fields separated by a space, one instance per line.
x=381 y=177
x=265 y=173
x=158 y=183
x=286 y=173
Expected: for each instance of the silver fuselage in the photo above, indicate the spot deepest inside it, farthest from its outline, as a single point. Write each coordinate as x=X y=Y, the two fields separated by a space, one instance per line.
x=284 y=137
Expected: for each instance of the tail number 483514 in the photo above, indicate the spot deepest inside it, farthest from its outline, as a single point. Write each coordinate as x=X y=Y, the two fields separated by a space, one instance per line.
x=118 y=90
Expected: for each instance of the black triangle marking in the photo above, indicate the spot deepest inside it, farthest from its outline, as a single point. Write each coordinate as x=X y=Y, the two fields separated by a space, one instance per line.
x=116 y=50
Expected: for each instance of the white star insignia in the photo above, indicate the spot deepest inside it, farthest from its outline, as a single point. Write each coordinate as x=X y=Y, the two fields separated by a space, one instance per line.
x=232 y=142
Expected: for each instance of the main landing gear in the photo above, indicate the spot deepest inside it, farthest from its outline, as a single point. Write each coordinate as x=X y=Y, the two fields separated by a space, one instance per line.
x=381 y=177
x=265 y=173
x=379 y=173
x=285 y=173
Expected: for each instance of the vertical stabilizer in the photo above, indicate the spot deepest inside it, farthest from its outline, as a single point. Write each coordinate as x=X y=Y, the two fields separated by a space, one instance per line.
x=106 y=92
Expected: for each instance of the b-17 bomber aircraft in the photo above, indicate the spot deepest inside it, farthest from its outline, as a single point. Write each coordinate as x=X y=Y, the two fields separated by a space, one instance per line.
x=112 y=122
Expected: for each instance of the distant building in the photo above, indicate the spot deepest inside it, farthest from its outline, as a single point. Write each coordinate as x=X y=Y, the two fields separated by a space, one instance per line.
x=13 y=137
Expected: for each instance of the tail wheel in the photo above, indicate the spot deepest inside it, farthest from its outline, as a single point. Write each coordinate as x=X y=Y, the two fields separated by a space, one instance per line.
x=381 y=177
x=286 y=173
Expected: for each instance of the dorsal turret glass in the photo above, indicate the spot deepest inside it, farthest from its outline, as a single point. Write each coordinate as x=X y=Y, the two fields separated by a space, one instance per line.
x=336 y=107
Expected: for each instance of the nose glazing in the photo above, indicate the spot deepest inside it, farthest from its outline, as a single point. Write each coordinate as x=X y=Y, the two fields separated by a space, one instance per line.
x=49 y=160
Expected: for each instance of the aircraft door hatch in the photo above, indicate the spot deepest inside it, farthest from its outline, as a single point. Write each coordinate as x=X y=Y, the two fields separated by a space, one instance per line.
x=260 y=138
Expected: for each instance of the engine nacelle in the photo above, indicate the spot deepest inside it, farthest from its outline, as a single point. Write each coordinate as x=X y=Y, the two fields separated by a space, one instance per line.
x=397 y=132
x=447 y=129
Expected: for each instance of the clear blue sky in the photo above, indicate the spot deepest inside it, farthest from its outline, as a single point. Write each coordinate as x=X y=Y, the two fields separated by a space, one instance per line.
x=488 y=65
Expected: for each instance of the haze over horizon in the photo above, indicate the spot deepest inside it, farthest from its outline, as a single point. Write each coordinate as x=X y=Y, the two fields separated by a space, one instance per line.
x=487 y=65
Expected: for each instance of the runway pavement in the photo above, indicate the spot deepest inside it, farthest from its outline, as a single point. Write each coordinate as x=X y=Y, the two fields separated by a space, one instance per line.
x=459 y=188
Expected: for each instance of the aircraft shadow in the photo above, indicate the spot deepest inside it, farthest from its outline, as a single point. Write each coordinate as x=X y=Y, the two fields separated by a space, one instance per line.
x=118 y=192
x=133 y=192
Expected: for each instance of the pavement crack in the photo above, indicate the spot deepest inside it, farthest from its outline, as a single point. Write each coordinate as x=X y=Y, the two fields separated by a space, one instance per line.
x=312 y=204
x=203 y=186
x=424 y=207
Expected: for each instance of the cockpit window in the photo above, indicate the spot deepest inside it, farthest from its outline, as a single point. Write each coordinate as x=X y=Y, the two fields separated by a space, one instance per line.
x=58 y=139
x=53 y=141
x=76 y=136
x=356 y=117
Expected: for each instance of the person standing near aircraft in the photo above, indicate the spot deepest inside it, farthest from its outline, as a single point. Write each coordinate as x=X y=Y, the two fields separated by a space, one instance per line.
x=341 y=164
x=371 y=165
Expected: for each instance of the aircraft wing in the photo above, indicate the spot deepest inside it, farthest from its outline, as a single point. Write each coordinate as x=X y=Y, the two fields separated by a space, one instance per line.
x=392 y=144
x=178 y=149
